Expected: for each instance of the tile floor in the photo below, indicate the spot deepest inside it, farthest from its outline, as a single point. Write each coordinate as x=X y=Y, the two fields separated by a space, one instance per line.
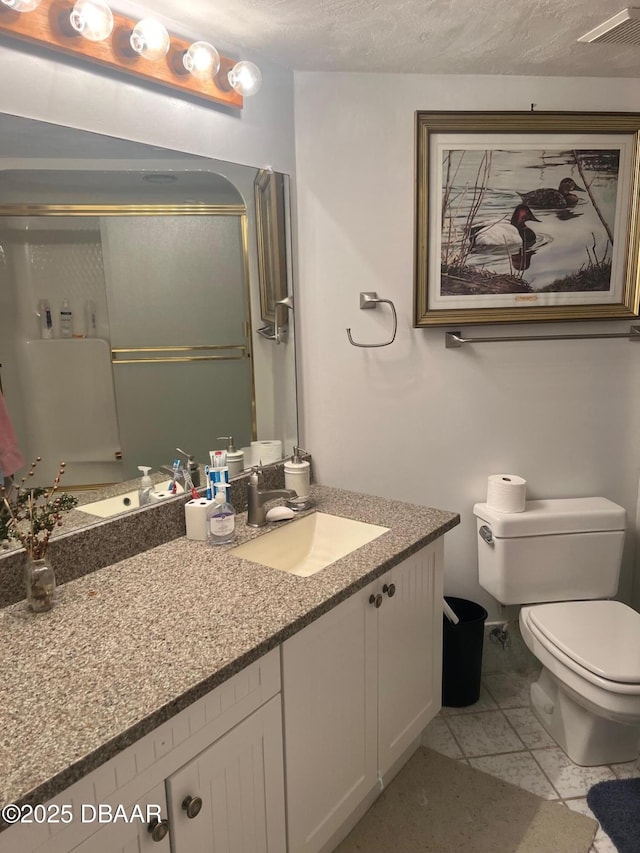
x=500 y=735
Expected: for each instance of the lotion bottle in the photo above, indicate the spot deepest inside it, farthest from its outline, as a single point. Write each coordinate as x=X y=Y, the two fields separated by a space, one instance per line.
x=235 y=458
x=297 y=475
x=221 y=518
x=66 y=320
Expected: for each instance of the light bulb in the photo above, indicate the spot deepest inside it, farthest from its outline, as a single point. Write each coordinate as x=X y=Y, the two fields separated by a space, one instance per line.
x=245 y=78
x=22 y=5
x=93 y=19
x=202 y=60
x=150 y=39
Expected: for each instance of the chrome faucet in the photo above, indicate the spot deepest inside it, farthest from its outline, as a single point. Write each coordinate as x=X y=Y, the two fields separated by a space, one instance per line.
x=257 y=498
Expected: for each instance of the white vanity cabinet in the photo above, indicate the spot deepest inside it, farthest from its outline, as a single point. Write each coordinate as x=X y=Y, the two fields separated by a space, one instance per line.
x=133 y=837
x=230 y=798
x=359 y=686
x=225 y=749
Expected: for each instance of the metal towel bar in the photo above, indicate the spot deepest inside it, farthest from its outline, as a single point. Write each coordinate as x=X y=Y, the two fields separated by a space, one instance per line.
x=369 y=299
x=455 y=339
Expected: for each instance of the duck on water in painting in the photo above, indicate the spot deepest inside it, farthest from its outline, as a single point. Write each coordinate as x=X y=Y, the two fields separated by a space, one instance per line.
x=508 y=231
x=486 y=243
x=549 y=199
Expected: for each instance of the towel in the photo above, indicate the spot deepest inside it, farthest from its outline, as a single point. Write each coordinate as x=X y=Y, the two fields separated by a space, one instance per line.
x=11 y=459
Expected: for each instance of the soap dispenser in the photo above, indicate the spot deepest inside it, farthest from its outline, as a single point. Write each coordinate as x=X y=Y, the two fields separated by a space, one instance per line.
x=297 y=474
x=221 y=518
x=146 y=486
x=235 y=458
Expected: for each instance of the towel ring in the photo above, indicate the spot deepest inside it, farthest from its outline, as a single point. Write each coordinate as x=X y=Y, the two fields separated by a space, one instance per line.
x=370 y=299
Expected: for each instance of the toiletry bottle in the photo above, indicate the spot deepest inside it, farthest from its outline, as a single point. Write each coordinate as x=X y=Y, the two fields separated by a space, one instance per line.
x=235 y=458
x=66 y=320
x=146 y=486
x=297 y=475
x=221 y=518
x=91 y=328
x=46 y=319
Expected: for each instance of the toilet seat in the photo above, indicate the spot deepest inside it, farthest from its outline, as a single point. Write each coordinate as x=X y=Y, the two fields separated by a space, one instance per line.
x=598 y=640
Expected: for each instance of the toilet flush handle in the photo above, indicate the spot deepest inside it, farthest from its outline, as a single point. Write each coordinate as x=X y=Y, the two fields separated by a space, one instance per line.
x=486 y=534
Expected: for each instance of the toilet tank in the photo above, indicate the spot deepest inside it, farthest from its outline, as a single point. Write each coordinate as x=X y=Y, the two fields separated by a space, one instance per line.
x=556 y=550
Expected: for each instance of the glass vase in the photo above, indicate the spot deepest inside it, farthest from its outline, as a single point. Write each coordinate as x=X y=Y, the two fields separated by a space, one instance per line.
x=40 y=582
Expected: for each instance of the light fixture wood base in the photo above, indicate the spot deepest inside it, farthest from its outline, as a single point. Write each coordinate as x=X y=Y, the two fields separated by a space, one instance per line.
x=48 y=26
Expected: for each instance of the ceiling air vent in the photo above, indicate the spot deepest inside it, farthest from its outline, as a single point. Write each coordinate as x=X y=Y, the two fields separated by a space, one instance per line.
x=623 y=28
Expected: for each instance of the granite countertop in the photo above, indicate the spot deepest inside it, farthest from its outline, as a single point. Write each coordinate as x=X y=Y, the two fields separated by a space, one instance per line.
x=130 y=645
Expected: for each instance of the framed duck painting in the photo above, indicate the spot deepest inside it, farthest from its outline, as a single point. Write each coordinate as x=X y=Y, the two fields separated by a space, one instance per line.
x=526 y=216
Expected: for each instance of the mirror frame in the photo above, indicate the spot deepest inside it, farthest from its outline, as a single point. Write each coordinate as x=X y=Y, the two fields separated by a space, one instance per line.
x=280 y=219
x=272 y=245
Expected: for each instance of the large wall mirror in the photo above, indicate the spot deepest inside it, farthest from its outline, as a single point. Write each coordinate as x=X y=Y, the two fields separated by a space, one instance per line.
x=156 y=253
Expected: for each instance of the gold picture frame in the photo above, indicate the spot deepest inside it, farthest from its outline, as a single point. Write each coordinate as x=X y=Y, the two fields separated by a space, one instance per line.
x=526 y=216
x=269 y=191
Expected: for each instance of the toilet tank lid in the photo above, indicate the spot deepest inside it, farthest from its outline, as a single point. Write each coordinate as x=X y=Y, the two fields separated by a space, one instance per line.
x=556 y=515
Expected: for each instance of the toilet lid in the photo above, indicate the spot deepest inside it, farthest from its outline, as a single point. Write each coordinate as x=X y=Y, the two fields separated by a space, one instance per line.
x=601 y=636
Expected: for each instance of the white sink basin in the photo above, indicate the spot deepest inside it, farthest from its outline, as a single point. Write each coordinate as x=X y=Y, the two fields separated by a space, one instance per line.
x=122 y=503
x=112 y=506
x=309 y=544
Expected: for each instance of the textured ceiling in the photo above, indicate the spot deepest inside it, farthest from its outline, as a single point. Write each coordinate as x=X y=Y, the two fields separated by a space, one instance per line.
x=537 y=37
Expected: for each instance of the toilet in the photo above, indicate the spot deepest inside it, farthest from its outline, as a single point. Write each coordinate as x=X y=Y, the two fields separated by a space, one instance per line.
x=560 y=559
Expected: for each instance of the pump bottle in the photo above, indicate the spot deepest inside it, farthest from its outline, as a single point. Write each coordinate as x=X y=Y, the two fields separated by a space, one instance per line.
x=146 y=486
x=221 y=518
x=235 y=458
x=297 y=475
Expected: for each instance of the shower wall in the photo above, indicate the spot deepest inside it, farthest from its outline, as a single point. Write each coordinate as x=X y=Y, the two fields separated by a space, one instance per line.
x=171 y=299
x=55 y=388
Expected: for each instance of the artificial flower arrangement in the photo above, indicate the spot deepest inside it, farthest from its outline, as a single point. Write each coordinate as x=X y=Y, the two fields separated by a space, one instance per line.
x=30 y=515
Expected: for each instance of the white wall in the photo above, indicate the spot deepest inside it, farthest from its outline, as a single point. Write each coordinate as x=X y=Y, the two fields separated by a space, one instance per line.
x=415 y=421
x=50 y=89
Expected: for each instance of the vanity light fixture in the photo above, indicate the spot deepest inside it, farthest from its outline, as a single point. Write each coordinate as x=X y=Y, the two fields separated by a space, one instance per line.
x=93 y=19
x=22 y=5
x=245 y=78
x=150 y=39
x=142 y=49
x=202 y=60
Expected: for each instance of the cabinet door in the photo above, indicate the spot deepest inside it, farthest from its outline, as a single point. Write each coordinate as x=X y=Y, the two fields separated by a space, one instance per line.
x=240 y=783
x=409 y=651
x=134 y=837
x=330 y=716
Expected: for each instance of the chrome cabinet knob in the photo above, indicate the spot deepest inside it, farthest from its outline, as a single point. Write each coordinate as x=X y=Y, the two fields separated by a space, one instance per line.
x=390 y=589
x=192 y=806
x=158 y=829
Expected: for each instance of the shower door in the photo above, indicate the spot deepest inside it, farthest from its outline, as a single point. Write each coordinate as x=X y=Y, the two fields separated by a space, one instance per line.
x=177 y=297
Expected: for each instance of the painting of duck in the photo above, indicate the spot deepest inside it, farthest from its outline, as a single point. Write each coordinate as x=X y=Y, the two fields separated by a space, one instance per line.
x=508 y=231
x=546 y=198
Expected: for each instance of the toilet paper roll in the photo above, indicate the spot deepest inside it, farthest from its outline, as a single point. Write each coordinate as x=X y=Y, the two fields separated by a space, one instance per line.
x=266 y=451
x=506 y=492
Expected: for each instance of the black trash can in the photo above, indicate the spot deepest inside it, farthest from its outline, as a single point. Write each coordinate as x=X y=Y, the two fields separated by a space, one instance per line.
x=462 y=653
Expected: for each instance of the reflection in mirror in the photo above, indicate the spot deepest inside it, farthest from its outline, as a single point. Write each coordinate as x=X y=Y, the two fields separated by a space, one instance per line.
x=272 y=252
x=155 y=253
